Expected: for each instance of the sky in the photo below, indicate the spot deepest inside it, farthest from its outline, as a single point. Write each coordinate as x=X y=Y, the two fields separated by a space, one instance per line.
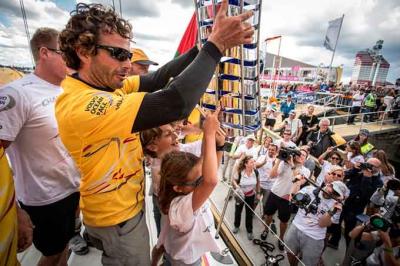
x=158 y=26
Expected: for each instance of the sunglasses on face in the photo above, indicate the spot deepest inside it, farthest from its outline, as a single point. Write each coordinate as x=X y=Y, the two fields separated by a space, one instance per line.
x=194 y=183
x=336 y=174
x=335 y=158
x=117 y=53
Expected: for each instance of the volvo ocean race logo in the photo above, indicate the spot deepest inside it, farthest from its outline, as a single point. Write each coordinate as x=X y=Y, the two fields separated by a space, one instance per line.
x=6 y=102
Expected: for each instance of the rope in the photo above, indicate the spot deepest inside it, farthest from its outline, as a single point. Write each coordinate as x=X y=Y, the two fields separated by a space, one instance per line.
x=262 y=221
x=28 y=36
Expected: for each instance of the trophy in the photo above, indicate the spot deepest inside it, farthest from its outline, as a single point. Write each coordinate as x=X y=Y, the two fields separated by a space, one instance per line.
x=236 y=81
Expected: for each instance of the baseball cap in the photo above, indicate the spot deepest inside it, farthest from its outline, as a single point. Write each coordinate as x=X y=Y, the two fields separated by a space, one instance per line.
x=139 y=57
x=340 y=188
x=293 y=112
x=364 y=132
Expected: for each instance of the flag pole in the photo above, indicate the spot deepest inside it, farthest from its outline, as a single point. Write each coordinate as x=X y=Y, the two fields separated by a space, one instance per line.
x=334 y=50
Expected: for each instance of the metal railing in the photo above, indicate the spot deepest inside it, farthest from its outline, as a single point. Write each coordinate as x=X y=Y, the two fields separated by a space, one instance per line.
x=381 y=118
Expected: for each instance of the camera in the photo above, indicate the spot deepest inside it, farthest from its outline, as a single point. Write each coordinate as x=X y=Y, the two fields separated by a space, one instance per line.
x=304 y=201
x=285 y=153
x=366 y=166
x=374 y=223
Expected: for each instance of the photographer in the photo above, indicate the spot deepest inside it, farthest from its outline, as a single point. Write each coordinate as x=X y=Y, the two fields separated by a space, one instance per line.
x=320 y=140
x=362 y=180
x=306 y=235
x=386 y=201
x=373 y=243
x=288 y=165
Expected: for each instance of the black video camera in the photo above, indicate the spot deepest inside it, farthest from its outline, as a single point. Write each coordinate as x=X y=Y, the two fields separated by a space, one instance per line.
x=366 y=166
x=303 y=201
x=286 y=152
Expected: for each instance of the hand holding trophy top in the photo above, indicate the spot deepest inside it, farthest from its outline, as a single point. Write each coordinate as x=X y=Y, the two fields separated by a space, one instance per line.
x=231 y=31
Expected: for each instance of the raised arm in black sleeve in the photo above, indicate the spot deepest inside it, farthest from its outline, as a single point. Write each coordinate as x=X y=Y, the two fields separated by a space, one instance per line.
x=183 y=93
x=157 y=80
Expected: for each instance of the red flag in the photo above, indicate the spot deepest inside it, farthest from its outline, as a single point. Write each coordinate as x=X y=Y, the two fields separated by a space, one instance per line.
x=189 y=37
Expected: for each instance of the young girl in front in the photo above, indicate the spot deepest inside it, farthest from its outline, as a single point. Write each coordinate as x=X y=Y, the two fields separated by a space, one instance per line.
x=187 y=181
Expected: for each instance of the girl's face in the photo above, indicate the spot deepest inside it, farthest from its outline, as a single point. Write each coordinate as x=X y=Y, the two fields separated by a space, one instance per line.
x=193 y=180
x=167 y=142
x=250 y=164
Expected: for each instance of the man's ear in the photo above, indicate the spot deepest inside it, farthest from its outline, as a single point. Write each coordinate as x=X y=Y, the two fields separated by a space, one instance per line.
x=83 y=54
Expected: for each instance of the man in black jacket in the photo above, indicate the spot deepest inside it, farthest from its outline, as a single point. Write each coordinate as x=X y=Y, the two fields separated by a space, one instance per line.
x=321 y=140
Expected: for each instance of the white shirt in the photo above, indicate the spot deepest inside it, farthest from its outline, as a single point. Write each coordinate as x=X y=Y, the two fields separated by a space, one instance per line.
x=294 y=125
x=388 y=101
x=357 y=99
x=356 y=159
x=308 y=224
x=264 y=171
x=44 y=172
x=247 y=183
x=187 y=235
x=326 y=167
x=283 y=182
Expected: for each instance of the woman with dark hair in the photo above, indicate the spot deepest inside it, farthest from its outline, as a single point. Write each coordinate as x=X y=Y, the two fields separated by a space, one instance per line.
x=186 y=183
x=366 y=147
x=327 y=160
x=387 y=170
x=247 y=184
x=353 y=153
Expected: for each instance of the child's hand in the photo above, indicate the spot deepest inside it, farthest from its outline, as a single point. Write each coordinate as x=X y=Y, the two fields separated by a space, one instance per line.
x=211 y=124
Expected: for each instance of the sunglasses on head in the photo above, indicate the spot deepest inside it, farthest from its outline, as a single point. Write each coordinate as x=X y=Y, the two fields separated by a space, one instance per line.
x=337 y=175
x=194 y=183
x=117 y=53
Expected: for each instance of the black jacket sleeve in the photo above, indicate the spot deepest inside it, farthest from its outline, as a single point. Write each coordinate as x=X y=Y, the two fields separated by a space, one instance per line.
x=182 y=94
x=157 y=80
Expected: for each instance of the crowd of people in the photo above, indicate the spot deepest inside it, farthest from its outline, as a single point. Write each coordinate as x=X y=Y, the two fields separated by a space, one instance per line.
x=80 y=131
x=372 y=102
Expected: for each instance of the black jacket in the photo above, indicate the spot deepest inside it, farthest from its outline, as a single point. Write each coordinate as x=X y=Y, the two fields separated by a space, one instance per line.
x=361 y=189
x=321 y=142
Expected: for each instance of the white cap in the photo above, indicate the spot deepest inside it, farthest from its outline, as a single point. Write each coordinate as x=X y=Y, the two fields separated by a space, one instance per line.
x=340 y=188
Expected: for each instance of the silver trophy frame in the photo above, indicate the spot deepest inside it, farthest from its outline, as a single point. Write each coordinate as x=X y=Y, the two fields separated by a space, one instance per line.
x=236 y=81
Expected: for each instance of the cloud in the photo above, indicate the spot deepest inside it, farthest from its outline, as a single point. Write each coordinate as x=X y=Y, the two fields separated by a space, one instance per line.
x=183 y=3
x=303 y=26
x=148 y=8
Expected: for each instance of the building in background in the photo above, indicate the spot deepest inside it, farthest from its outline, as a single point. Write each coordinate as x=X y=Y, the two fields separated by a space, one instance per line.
x=292 y=71
x=370 y=67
